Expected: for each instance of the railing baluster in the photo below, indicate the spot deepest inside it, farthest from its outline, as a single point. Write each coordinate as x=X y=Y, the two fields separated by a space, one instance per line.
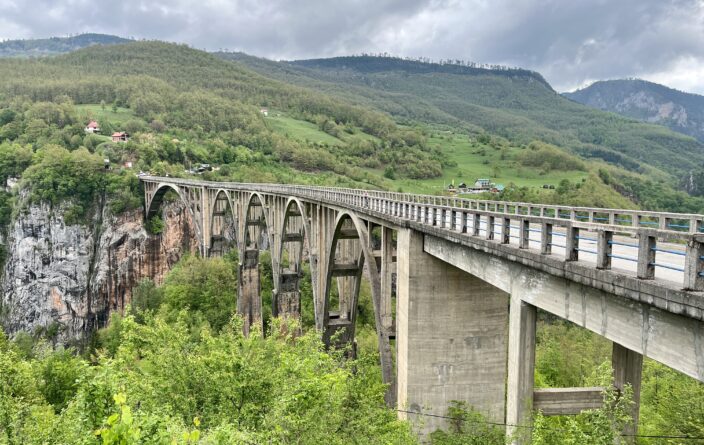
x=490 y=227
x=524 y=235
x=646 y=255
x=546 y=239
x=694 y=266
x=571 y=243
x=506 y=231
x=604 y=249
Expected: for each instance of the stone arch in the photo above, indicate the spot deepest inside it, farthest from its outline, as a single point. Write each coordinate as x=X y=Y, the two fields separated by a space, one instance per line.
x=295 y=237
x=348 y=253
x=223 y=224
x=256 y=218
x=253 y=237
x=156 y=199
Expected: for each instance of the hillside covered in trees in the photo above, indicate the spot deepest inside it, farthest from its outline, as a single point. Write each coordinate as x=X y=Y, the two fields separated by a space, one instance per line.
x=516 y=104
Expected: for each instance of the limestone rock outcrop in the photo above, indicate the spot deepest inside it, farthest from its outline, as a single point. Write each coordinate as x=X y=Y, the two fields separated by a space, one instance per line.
x=71 y=277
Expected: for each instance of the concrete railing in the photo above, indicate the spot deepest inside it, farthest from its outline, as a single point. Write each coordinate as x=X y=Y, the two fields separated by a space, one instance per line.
x=651 y=245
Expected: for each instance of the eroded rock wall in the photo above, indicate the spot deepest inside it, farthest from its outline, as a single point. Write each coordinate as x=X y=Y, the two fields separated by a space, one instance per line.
x=72 y=277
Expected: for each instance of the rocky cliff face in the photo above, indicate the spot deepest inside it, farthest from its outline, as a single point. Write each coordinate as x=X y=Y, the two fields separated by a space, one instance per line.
x=70 y=278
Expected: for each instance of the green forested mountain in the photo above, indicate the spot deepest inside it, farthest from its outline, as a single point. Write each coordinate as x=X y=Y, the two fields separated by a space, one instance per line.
x=202 y=98
x=646 y=101
x=55 y=45
x=361 y=127
x=515 y=104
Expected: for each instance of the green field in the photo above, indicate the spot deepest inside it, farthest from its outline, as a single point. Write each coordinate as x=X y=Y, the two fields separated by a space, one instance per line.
x=301 y=130
x=475 y=160
x=96 y=112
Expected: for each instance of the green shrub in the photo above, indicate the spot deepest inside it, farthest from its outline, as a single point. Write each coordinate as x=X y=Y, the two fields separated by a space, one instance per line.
x=548 y=157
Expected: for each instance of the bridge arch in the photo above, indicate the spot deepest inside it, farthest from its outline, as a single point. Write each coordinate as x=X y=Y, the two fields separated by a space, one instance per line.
x=256 y=223
x=349 y=252
x=295 y=238
x=223 y=223
x=254 y=236
x=155 y=200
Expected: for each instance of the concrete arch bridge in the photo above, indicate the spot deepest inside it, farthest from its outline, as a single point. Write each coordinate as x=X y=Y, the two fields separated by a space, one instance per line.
x=456 y=284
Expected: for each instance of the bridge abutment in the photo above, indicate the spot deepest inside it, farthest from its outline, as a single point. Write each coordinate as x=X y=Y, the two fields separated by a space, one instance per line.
x=451 y=338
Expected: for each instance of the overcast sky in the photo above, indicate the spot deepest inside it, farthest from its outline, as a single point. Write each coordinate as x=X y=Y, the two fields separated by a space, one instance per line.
x=571 y=42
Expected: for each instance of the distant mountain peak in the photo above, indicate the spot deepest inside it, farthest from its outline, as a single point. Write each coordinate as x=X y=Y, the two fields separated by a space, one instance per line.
x=647 y=101
x=56 y=45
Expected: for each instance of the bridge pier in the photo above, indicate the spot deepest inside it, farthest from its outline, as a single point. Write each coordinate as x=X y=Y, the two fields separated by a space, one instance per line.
x=521 y=369
x=249 y=302
x=451 y=338
x=628 y=367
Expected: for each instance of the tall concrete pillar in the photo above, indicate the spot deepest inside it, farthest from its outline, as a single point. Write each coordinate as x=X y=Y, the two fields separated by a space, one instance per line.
x=387 y=269
x=521 y=369
x=451 y=337
x=628 y=366
x=249 y=303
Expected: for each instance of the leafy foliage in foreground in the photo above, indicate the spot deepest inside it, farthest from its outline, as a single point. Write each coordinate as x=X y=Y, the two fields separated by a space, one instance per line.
x=256 y=390
x=176 y=369
x=173 y=372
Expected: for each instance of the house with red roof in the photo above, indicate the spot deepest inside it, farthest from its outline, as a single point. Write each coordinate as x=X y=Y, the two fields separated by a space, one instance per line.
x=120 y=136
x=92 y=127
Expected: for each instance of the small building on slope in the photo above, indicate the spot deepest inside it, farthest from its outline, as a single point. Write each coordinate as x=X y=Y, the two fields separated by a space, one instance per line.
x=92 y=127
x=120 y=136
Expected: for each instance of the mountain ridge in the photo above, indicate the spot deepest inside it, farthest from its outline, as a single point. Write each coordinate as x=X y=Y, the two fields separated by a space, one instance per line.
x=647 y=101
x=56 y=45
x=521 y=107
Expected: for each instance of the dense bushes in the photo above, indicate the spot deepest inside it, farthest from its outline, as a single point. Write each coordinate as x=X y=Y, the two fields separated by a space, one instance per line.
x=182 y=366
x=548 y=157
x=59 y=174
x=177 y=363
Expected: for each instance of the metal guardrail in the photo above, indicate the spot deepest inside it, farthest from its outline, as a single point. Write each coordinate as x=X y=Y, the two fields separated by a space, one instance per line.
x=671 y=244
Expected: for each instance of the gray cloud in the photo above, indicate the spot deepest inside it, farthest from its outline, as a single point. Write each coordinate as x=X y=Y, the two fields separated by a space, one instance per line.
x=570 y=42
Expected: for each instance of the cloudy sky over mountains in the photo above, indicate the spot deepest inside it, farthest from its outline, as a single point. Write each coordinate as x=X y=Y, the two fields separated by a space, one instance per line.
x=570 y=42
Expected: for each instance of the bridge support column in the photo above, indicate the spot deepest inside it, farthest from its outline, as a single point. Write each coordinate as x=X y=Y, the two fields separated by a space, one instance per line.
x=521 y=368
x=249 y=303
x=628 y=366
x=451 y=337
x=288 y=299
